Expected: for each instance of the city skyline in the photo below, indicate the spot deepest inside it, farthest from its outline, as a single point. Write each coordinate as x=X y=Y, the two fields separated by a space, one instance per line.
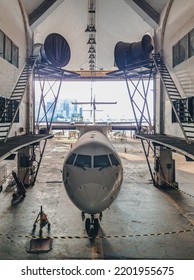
x=112 y=91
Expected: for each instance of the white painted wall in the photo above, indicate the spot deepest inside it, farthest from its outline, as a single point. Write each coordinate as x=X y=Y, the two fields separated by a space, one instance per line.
x=12 y=24
x=180 y=21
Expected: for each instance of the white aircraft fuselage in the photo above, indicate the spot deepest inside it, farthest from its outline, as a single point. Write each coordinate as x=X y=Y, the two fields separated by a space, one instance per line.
x=92 y=173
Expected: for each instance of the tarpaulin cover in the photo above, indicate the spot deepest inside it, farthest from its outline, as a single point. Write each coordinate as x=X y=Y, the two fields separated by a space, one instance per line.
x=56 y=50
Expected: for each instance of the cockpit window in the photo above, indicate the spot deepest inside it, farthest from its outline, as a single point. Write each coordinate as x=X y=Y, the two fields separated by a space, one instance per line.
x=101 y=161
x=71 y=159
x=83 y=161
x=114 y=160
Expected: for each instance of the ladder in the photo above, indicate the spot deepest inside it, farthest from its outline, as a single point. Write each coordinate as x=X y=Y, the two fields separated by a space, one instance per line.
x=12 y=104
x=179 y=104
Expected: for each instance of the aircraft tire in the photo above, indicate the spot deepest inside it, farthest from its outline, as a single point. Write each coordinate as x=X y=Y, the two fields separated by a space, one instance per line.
x=87 y=225
x=96 y=225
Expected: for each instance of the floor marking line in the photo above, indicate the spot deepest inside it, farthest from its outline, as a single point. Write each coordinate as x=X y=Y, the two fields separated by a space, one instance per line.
x=99 y=238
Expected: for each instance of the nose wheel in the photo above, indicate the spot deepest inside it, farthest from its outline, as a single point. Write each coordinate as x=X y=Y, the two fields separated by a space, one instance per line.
x=92 y=226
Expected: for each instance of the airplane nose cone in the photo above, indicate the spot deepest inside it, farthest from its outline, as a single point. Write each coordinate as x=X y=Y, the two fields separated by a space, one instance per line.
x=92 y=198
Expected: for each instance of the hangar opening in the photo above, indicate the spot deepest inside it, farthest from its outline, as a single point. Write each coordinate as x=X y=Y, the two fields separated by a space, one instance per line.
x=124 y=70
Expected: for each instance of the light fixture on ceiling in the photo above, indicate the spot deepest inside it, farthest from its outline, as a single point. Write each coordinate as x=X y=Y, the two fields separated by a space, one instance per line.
x=90 y=28
x=91 y=41
x=91 y=61
x=92 y=33
x=92 y=49
x=92 y=55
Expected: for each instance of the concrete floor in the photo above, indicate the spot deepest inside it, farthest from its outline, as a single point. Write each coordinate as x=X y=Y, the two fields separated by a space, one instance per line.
x=138 y=225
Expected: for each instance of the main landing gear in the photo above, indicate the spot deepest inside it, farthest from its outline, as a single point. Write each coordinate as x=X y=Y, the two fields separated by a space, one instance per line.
x=92 y=224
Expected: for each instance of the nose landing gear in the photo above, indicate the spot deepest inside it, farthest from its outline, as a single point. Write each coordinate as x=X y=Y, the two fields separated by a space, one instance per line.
x=92 y=225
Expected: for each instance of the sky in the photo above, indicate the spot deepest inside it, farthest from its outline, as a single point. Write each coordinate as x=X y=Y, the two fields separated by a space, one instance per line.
x=103 y=91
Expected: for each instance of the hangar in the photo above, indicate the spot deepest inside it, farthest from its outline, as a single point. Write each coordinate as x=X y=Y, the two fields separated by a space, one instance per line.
x=60 y=41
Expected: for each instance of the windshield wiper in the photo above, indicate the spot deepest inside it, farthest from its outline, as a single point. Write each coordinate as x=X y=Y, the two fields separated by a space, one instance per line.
x=81 y=166
x=102 y=167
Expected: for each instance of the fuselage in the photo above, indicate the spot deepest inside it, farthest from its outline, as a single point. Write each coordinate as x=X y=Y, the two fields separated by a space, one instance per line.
x=92 y=173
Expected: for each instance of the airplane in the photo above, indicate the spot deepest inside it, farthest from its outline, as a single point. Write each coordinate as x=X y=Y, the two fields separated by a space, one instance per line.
x=92 y=175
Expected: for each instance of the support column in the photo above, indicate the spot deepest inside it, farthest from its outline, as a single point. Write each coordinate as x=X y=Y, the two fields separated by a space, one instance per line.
x=165 y=168
x=25 y=165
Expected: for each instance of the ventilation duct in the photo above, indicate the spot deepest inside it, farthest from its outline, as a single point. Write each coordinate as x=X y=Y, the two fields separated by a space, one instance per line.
x=129 y=53
x=55 y=50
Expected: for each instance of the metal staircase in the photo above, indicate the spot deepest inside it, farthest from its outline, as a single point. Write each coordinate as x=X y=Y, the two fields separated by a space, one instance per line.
x=179 y=104
x=10 y=114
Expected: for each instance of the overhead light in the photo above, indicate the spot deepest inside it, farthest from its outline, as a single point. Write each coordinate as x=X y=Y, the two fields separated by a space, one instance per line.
x=91 y=41
x=90 y=28
x=91 y=50
x=92 y=55
x=92 y=11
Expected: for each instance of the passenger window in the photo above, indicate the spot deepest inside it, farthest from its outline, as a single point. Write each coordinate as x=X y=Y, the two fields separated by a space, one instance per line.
x=70 y=160
x=83 y=161
x=101 y=161
x=114 y=160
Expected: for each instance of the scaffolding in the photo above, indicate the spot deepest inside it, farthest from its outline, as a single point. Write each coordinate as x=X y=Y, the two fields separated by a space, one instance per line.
x=137 y=77
x=50 y=80
x=138 y=81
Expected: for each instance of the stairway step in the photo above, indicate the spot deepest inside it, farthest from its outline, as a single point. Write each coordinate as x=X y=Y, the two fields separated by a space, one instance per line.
x=21 y=82
x=163 y=71
x=17 y=97
x=17 y=90
x=24 y=78
x=169 y=82
x=188 y=126
x=182 y=114
x=172 y=86
x=25 y=73
x=19 y=87
x=3 y=132
x=166 y=78
x=4 y=125
x=174 y=90
x=175 y=95
x=16 y=93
